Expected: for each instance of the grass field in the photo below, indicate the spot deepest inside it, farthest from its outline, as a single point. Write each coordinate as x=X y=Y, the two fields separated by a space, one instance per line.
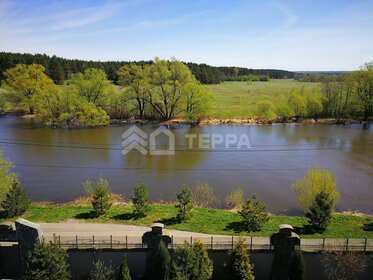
x=238 y=99
x=210 y=221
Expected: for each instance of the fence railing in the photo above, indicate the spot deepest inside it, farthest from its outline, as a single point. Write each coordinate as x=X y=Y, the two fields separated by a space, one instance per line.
x=213 y=243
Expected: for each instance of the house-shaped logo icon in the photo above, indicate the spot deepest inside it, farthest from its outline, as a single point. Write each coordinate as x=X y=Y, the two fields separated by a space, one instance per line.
x=134 y=140
x=171 y=142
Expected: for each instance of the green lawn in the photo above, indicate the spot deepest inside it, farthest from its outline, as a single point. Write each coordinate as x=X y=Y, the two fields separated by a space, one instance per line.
x=211 y=221
x=238 y=99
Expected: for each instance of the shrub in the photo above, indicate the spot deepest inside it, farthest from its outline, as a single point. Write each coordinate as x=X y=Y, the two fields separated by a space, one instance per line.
x=100 y=201
x=239 y=265
x=6 y=175
x=254 y=214
x=162 y=262
x=124 y=272
x=318 y=180
x=297 y=104
x=47 y=261
x=16 y=201
x=264 y=109
x=185 y=203
x=234 y=200
x=203 y=196
x=140 y=200
x=297 y=266
x=284 y=111
x=314 y=106
x=191 y=262
x=320 y=212
x=102 y=272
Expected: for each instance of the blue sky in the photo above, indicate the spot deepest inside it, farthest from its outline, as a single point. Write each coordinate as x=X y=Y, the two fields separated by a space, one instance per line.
x=292 y=35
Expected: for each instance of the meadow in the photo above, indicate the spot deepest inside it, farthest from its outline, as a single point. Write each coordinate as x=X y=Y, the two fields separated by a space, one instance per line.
x=239 y=100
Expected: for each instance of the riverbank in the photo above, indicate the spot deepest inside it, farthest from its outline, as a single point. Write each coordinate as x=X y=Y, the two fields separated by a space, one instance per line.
x=203 y=220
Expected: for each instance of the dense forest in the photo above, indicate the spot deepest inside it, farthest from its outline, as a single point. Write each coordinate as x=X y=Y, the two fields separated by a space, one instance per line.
x=59 y=69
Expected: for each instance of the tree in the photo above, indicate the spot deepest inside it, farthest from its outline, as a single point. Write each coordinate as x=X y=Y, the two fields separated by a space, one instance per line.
x=239 y=265
x=318 y=180
x=191 y=262
x=136 y=79
x=140 y=200
x=92 y=85
x=7 y=176
x=24 y=82
x=102 y=272
x=297 y=104
x=320 y=212
x=124 y=272
x=100 y=200
x=297 y=266
x=254 y=214
x=16 y=201
x=203 y=196
x=47 y=261
x=2 y=102
x=234 y=199
x=284 y=111
x=185 y=203
x=314 y=106
x=265 y=109
x=162 y=262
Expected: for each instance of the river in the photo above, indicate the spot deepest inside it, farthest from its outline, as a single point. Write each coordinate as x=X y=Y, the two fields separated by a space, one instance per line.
x=53 y=162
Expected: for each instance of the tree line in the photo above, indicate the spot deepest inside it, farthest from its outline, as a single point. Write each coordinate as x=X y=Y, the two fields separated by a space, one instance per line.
x=59 y=69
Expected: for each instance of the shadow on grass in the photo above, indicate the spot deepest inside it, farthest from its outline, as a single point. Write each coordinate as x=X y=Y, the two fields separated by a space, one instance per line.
x=368 y=226
x=305 y=229
x=126 y=217
x=169 y=221
x=237 y=227
x=89 y=215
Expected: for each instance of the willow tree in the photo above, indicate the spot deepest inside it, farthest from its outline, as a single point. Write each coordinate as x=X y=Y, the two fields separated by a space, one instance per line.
x=24 y=82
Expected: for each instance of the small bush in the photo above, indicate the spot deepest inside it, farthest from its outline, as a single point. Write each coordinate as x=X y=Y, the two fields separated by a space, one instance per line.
x=16 y=201
x=100 y=201
x=184 y=197
x=47 y=261
x=162 y=262
x=239 y=265
x=124 y=272
x=320 y=212
x=102 y=272
x=234 y=200
x=254 y=214
x=140 y=200
x=284 y=111
x=203 y=196
x=264 y=109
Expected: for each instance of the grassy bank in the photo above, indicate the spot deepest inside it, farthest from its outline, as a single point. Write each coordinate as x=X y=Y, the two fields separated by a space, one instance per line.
x=238 y=99
x=210 y=221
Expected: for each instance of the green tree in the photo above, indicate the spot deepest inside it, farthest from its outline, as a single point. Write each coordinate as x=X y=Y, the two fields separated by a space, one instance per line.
x=162 y=262
x=297 y=266
x=102 y=272
x=191 y=262
x=239 y=265
x=100 y=200
x=203 y=196
x=7 y=176
x=124 y=272
x=47 y=261
x=185 y=203
x=16 y=201
x=314 y=106
x=141 y=200
x=254 y=214
x=284 y=111
x=318 y=180
x=2 y=102
x=234 y=199
x=297 y=104
x=264 y=109
x=23 y=82
x=320 y=212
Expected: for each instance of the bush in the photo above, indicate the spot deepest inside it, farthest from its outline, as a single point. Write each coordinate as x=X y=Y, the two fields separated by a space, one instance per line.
x=191 y=262
x=320 y=212
x=16 y=201
x=47 y=261
x=239 y=265
x=162 y=262
x=297 y=104
x=234 y=200
x=6 y=175
x=284 y=111
x=318 y=180
x=203 y=196
x=100 y=201
x=102 y=272
x=264 y=109
x=314 y=106
x=254 y=214
x=124 y=272
x=2 y=102
x=185 y=203
x=140 y=200
x=297 y=266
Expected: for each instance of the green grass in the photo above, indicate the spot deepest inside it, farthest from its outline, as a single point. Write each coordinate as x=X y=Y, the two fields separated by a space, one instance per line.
x=238 y=99
x=210 y=221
